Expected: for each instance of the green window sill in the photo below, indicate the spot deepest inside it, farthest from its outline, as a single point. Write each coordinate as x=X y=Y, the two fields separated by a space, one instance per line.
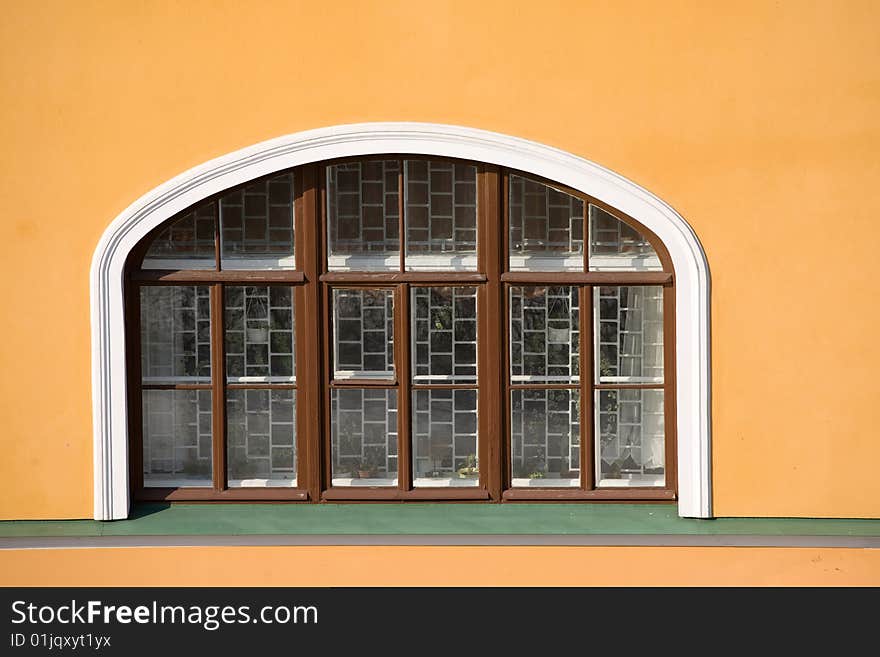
x=439 y=519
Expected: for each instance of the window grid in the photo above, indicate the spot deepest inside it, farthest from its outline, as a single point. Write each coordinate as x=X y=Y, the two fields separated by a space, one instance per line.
x=615 y=245
x=638 y=354
x=629 y=422
x=257 y=220
x=176 y=347
x=444 y=334
x=545 y=334
x=363 y=330
x=364 y=198
x=609 y=235
x=630 y=426
x=444 y=422
x=547 y=452
x=189 y=239
x=445 y=436
x=544 y=345
x=261 y=434
x=441 y=208
x=179 y=425
x=259 y=334
x=369 y=439
x=544 y=224
x=630 y=334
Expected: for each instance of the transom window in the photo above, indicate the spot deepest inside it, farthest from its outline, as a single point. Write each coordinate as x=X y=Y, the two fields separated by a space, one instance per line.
x=401 y=328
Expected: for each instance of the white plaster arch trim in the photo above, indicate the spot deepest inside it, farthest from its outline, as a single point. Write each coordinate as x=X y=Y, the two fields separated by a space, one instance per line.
x=107 y=308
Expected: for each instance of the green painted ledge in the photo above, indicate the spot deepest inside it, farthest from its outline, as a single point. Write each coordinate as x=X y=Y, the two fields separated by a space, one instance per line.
x=429 y=519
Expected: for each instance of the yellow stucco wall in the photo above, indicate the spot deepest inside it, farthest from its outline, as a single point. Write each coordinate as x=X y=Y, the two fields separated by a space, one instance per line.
x=757 y=121
x=441 y=566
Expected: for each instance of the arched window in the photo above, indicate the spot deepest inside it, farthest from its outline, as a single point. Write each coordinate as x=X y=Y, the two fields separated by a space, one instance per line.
x=402 y=328
x=400 y=312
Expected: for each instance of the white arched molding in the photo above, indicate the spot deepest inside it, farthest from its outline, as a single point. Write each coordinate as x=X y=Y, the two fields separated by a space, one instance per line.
x=108 y=263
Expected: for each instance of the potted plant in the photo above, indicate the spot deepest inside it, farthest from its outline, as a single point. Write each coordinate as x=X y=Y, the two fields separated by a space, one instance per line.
x=365 y=468
x=614 y=471
x=257 y=334
x=257 y=314
x=558 y=334
x=469 y=470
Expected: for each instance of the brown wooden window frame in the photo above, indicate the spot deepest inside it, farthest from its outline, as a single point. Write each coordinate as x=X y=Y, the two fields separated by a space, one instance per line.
x=313 y=284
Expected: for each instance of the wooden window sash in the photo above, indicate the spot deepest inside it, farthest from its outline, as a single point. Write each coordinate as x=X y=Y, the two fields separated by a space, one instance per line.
x=312 y=283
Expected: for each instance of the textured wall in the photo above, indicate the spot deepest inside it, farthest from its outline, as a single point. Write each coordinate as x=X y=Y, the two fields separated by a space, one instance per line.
x=757 y=121
x=442 y=566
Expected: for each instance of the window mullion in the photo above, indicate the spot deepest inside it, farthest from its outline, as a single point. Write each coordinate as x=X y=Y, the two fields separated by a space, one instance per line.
x=218 y=387
x=401 y=218
x=587 y=421
x=326 y=375
x=323 y=478
x=490 y=331
x=404 y=396
x=308 y=333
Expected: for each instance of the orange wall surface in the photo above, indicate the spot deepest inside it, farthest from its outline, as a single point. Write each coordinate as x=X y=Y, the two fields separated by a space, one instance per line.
x=757 y=121
x=442 y=566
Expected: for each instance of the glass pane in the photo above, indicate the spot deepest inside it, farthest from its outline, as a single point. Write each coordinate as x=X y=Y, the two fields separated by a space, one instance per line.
x=441 y=215
x=545 y=438
x=444 y=335
x=177 y=438
x=363 y=334
x=363 y=216
x=546 y=228
x=544 y=335
x=617 y=245
x=363 y=437
x=260 y=343
x=630 y=334
x=261 y=438
x=445 y=438
x=631 y=438
x=256 y=225
x=185 y=243
x=175 y=334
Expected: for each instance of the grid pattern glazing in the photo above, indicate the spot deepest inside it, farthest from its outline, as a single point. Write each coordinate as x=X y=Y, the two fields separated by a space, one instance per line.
x=363 y=436
x=261 y=437
x=363 y=333
x=544 y=334
x=546 y=227
x=545 y=437
x=177 y=449
x=617 y=245
x=631 y=437
x=363 y=216
x=185 y=243
x=630 y=335
x=175 y=334
x=445 y=437
x=444 y=334
x=427 y=384
x=259 y=335
x=256 y=225
x=441 y=215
